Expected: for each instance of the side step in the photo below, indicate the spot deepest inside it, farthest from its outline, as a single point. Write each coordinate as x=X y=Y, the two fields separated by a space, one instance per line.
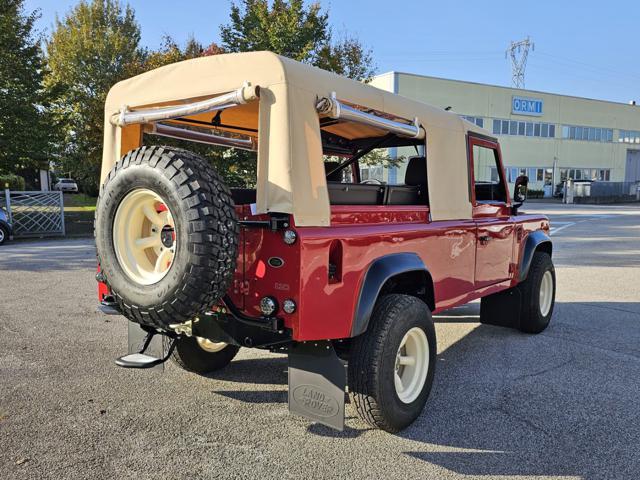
x=142 y=360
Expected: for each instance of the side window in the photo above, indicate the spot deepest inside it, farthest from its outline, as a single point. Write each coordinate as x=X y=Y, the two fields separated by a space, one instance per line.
x=487 y=181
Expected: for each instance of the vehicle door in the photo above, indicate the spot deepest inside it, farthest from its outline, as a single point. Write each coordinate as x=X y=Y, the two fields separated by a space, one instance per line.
x=491 y=212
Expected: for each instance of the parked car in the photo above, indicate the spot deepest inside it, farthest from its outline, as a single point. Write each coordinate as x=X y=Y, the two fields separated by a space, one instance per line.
x=66 y=185
x=334 y=271
x=6 y=230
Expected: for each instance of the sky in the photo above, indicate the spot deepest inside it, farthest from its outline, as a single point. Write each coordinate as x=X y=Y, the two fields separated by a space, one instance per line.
x=587 y=48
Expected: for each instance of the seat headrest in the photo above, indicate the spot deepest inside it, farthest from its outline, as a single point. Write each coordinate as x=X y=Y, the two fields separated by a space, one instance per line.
x=334 y=177
x=416 y=173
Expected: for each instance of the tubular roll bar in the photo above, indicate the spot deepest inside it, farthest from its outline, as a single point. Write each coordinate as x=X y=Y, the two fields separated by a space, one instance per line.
x=240 y=96
x=199 y=137
x=339 y=111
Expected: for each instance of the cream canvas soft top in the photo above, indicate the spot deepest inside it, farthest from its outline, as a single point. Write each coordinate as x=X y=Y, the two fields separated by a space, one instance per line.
x=285 y=125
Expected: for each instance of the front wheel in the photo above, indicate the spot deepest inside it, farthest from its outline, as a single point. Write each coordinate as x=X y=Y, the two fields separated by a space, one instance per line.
x=4 y=234
x=538 y=294
x=391 y=365
x=200 y=355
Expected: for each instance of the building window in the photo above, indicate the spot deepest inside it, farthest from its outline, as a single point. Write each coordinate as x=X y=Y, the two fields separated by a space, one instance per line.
x=523 y=129
x=588 y=134
x=475 y=120
x=599 y=174
x=629 y=136
x=514 y=172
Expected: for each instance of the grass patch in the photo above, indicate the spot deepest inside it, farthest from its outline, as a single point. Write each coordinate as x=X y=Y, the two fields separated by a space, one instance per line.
x=79 y=210
x=79 y=203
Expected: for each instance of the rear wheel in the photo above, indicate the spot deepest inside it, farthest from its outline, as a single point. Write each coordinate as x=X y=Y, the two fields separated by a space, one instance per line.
x=166 y=234
x=391 y=365
x=200 y=355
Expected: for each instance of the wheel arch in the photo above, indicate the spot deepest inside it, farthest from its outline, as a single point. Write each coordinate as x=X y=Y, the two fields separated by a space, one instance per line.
x=537 y=241
x=7 y=226
x=395 y=273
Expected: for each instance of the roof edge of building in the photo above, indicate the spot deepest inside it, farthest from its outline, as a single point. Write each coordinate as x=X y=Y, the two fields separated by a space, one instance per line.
x=396 y=74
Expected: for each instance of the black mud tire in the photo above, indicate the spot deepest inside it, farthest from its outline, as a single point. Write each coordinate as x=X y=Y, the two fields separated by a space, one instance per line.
x=531 y=318
x=372 y=363
x=192 y=358
x=4 y=235
x=206 y=235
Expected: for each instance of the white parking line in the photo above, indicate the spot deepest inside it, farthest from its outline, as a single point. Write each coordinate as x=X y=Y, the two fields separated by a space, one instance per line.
x=555 y=230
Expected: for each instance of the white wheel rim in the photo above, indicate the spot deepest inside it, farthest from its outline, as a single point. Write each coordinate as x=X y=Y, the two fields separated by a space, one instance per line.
x=209 y=346
x=1 y=235
x=546 y=293
x=144 y=236
x=412 y=365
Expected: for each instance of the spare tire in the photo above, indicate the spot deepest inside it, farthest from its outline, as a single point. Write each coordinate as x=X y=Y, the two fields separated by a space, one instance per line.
x=166 y=234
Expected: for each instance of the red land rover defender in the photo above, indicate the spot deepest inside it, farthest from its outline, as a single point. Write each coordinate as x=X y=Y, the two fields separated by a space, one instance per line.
x=322 y=260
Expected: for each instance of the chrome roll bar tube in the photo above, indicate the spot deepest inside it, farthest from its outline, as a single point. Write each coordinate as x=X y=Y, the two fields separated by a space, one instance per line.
x=337 y=110
x=180 y=133
x=240 y=96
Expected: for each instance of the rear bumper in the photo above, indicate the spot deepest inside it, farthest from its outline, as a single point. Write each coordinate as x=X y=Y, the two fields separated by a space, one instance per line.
x=227 y=324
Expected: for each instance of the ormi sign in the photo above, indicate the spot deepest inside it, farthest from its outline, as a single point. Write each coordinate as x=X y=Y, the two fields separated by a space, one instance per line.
x=526 y=106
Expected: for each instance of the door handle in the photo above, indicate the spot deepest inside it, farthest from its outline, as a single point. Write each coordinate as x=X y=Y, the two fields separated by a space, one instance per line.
x=484 y=239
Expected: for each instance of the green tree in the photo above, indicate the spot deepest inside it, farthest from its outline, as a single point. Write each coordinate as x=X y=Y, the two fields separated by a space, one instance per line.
x=24 y=133
x=238 y=168
x=290 y=28
x=92 y=48
x=293 y=30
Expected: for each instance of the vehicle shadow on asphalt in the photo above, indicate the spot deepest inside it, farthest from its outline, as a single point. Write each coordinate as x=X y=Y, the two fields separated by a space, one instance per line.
x=507 y=403
x=559 y=403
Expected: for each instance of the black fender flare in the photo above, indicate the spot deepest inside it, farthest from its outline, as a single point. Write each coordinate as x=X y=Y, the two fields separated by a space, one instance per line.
x=7 y=226
x=378 y=273
x=533 y=241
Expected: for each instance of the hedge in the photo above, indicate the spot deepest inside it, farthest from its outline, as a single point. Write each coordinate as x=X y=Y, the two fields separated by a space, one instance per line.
x=15 y=182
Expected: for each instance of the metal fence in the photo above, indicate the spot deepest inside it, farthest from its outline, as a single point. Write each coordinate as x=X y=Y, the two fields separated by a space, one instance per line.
x=601 y=192
x=34 y=213
x=613 y=189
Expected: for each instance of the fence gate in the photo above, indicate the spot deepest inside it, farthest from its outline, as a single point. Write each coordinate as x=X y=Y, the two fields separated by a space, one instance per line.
x=34 y=213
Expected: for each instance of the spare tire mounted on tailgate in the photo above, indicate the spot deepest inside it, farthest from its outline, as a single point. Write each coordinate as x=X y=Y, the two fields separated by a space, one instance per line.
x=166 y=234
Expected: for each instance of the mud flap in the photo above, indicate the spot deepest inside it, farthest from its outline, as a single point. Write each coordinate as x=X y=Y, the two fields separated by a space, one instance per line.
x=502 y=309
x=317 y=382
x=136 y=340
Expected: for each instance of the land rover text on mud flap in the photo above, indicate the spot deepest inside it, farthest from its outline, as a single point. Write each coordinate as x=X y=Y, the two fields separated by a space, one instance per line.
x=322 y=260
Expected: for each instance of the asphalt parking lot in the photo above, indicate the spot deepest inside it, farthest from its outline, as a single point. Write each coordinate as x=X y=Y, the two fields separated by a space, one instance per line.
x=562 y=404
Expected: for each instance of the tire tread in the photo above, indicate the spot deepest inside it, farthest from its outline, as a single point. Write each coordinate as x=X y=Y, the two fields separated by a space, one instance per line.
x=210 y=212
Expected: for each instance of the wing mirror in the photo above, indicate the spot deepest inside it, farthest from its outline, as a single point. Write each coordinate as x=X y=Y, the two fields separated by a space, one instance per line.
x=520 y=190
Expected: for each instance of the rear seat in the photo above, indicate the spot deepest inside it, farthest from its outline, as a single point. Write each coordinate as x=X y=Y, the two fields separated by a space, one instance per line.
x=356 y=193
x=413 y=192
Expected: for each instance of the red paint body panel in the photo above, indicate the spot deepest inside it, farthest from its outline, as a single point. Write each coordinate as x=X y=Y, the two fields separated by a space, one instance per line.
x=365 y=233
x=467 y=259
x=462 y=270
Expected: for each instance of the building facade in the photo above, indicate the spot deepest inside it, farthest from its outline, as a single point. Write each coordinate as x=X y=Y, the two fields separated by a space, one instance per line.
x=545 y=136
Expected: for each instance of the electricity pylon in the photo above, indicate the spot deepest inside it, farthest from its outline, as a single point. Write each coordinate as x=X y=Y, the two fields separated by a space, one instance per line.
x=519 y=51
